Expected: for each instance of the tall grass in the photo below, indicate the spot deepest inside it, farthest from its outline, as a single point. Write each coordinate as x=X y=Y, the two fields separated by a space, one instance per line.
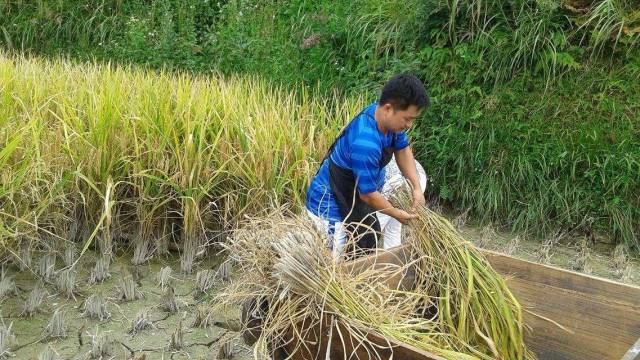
x=136 y=154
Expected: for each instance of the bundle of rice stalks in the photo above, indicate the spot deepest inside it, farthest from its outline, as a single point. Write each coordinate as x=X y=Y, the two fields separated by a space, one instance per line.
x=472 y=314
x=301 y=281
x=474 y=304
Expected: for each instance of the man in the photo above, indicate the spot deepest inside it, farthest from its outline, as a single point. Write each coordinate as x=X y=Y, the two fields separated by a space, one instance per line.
x=345 y=194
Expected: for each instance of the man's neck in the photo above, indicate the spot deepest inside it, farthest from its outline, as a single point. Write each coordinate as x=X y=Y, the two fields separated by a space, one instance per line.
x=378 y=116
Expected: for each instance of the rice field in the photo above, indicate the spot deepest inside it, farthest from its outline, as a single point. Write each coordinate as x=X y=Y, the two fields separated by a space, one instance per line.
x=111 y=171
x=117 y=157
x=104 y=321
x=118 y=186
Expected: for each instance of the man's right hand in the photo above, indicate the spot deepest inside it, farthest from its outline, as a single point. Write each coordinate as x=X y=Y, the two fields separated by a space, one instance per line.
x=403 y=216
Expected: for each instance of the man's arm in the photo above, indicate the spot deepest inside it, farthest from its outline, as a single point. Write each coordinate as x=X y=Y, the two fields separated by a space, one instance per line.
x=407 y=165
x=379 y=203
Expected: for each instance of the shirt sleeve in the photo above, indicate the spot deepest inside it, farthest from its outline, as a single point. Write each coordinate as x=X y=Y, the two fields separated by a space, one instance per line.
x=365 y=162
x=402 y=140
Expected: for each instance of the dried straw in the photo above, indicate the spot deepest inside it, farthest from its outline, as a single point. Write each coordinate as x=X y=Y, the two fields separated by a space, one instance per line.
x=473 y=315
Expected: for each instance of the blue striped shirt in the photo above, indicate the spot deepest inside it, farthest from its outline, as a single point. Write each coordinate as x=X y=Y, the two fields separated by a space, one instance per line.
x=359 y=150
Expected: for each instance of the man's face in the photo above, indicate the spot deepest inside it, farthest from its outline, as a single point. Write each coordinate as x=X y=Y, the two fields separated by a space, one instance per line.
x=399 y=120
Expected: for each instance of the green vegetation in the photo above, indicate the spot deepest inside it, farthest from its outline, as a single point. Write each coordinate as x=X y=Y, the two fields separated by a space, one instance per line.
x=536 y=102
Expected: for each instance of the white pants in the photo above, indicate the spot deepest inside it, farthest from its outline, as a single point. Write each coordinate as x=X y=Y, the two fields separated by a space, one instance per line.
x=390 y=227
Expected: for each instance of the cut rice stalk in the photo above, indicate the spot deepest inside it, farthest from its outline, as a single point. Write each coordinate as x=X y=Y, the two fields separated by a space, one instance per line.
x=141 y=322
x=66 y=283
x=7 y=286
x=95 y=307
x=34 y=301
x=164 y=277
x=49 y=353
x=56 y=329
x=128 y=290
x=7 y=340
x=100 y=271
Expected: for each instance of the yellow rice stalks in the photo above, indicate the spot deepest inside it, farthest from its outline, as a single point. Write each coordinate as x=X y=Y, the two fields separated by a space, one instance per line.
x=282 y=260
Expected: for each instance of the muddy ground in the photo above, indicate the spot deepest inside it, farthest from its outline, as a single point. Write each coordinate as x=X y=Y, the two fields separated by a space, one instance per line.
x=598 y=258
x=574 y=253
x=153 y=343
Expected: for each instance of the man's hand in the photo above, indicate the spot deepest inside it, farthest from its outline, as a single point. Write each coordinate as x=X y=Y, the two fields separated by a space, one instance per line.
x=418 y=199
x=403 y=216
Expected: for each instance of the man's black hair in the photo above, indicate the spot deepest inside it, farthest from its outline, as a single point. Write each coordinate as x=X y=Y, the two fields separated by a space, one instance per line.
x=403 y=91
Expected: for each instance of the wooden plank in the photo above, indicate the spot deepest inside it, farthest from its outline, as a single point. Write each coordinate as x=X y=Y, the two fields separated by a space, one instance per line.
x=633 y=353
x=603 y=316
x=390 y=260
x=334 y=340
